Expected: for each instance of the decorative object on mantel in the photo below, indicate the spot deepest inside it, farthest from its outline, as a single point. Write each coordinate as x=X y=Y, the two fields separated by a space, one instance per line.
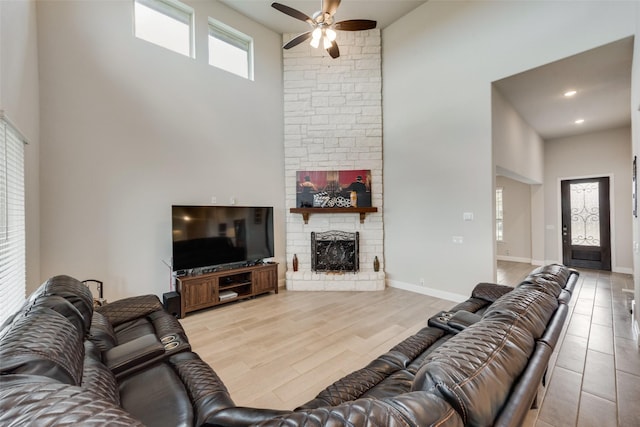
x=333 y=189
x=295 y=262
x=376 y=264
x=323 y=27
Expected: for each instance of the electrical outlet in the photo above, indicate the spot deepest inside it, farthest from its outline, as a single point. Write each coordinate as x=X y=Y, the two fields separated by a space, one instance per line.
x=214 y=199
x=422 y=281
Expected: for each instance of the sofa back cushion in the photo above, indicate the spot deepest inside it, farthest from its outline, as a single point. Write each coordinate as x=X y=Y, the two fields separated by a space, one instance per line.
x=556 y=272
x=42 y=342
x=474 y=370
x=73 y=291
x=128 y=309
x=526 y=307
x=62 y=306
x=34 y=401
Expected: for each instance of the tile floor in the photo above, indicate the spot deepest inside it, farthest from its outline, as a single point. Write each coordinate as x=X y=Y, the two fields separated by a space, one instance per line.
x=594 y=375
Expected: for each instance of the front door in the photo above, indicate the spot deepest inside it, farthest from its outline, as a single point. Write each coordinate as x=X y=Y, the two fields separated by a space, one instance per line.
x=586 y=240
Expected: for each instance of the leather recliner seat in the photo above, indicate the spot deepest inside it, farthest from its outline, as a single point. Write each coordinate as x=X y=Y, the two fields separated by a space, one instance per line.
x=478 y=364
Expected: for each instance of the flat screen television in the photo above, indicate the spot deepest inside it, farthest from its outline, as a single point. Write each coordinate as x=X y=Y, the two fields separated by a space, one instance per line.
x=208 y=237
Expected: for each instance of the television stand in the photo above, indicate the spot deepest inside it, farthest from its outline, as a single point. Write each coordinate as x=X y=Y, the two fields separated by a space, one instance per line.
x=220 y=287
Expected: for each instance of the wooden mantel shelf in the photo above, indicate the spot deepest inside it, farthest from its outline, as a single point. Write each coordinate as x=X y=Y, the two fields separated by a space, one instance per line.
x=307 y=211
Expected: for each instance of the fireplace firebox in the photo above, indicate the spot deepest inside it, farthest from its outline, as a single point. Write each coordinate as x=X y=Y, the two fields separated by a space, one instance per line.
x=335 y=251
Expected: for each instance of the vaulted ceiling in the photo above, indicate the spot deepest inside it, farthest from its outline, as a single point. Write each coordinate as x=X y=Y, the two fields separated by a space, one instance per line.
x=601 y=76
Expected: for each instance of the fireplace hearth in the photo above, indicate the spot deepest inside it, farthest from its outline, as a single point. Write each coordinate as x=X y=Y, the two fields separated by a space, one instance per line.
x=335 y=252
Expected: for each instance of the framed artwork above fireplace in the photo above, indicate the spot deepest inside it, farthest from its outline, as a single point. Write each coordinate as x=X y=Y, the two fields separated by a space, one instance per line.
x=333 y=189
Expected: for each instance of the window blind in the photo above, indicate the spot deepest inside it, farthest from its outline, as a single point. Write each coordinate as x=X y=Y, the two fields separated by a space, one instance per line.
x=12 y=221
x=229 y=35
x=173 y=9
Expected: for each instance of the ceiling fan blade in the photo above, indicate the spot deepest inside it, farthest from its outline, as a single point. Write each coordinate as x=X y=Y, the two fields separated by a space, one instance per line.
x=333 y=50
x=297 y=40
x=330 y=6
x=355 y=25
x=292 y=12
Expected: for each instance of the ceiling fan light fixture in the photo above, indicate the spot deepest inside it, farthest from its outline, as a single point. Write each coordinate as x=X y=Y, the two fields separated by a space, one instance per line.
x=323 y=26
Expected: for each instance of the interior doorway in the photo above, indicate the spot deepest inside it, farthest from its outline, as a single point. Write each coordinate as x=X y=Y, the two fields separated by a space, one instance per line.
x=586 y=223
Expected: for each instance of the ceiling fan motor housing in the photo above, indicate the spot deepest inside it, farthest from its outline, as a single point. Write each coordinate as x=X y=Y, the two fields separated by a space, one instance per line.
x=323 y=18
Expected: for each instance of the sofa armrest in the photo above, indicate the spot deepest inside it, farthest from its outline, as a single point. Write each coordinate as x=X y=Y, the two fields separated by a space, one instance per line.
x=133 y=353
x=206 y=390
x=463 y=319
x=127 y=309
x=490 y=291
x=239 y=416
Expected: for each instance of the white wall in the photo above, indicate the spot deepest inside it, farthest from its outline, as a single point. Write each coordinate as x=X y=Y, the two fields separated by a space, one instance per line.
x=129 y=128
x=19 y=102
x=635 y=137
x=518 y=151
x=606 y=153
x=516 y=197
x=438 y=65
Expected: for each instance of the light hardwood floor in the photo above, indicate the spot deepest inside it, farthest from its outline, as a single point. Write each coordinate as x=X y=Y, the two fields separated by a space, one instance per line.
x=279 y=351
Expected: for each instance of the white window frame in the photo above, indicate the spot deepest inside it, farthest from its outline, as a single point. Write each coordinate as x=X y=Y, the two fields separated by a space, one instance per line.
x=499 y=214
x=175 y=10
x=231 y=36
x=12 y=219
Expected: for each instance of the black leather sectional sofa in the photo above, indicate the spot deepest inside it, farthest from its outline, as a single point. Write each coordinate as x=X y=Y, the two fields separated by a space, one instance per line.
x=129 y=363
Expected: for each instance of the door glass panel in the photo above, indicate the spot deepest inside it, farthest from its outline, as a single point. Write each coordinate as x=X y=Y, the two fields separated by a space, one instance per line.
x=585 y=214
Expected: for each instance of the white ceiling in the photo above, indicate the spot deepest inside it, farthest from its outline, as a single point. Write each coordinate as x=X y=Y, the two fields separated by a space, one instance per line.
x=383 y=11
x=602 y=76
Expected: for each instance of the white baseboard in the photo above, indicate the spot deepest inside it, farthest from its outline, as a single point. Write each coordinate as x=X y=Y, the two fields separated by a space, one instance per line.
x=450 y=296
x=634 y=321
x=513 y=259
x=623 y=270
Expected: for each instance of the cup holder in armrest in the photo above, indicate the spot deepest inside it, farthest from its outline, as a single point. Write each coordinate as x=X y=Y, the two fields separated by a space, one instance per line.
x=445 y=316
x=454 y=321
x=171 y=345
x=168 y=339
x=441 y=320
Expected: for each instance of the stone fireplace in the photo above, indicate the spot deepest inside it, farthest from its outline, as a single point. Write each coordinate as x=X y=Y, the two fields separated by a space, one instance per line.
x=333 y=121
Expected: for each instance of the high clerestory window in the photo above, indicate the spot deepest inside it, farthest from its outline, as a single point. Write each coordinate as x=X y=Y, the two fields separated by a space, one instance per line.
x=167 y=23
x=12 y=220
x=230 y=50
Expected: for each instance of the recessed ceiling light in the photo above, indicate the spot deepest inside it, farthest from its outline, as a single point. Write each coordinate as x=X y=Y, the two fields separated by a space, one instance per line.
x=570 y=93
x=579 y=121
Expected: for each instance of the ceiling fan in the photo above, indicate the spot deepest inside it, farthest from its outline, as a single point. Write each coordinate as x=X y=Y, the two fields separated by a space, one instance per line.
x=323 y=27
